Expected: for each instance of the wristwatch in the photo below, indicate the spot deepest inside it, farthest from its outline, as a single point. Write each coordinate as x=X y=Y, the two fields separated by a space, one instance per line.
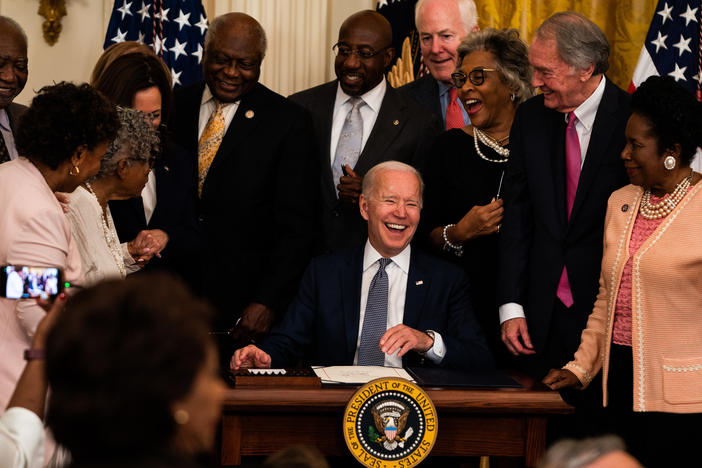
x=33 y=354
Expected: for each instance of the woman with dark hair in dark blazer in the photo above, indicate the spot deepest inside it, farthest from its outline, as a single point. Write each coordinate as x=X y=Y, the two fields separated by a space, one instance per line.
x=141 y=81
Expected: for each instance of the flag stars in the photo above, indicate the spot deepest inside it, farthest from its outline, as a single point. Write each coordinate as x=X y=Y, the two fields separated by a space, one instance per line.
x=689 y=15
x=120 y=36
x=665 y=13
x=163 y=14
x=144 y=11
x=125 y=9
x=198 y=53
x=178 y=49
x=159 y=45
x=683 y=45
x=182 y=20
x=175 y=76
x=678 y=73
x=660 y=41
x=202 y=24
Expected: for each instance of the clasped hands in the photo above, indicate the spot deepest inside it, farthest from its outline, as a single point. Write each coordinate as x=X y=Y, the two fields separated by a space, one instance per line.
x=147 y=244
x=400 y=338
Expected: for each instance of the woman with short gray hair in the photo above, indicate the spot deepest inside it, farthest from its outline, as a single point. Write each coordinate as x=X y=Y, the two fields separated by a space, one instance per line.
x=123 y=173
x=463 y=173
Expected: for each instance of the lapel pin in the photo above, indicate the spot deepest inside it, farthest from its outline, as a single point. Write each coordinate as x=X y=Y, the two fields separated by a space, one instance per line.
x=249 y=114
x=624 y=208
x=166 y=168
x=396 y=122
x=419 y=283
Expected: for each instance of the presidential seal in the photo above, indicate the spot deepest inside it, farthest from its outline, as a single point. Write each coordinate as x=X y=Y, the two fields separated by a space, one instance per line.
x=390 y=423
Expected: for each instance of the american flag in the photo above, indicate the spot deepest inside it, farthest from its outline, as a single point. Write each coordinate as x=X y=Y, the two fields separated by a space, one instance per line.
x=175 y=29
x=672 y=45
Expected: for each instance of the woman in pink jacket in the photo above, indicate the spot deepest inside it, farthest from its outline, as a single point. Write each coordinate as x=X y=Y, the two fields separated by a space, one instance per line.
x=645 y=332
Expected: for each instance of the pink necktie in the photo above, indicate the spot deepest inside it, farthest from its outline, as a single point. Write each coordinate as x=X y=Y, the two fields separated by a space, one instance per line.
x=572 y=150
x=454 y=115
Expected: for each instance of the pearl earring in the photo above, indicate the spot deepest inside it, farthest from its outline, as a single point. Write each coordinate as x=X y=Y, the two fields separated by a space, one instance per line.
x=669 y=163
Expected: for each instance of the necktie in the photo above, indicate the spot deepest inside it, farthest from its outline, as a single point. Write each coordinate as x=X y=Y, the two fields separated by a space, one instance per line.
x=454 y=115
x=375 y=319
x=349 y=146
x=572 y=151
x=209 y=144
x=4 y=152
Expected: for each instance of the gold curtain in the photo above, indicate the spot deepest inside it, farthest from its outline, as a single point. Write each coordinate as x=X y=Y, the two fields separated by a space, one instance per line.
x=624 y=22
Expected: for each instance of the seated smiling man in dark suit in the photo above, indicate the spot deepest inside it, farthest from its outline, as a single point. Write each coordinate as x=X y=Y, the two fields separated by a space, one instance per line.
x=382 y=303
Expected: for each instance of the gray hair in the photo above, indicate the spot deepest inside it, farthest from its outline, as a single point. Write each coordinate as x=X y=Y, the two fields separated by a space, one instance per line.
x=222 y=20
x=571 y=453
x=511 y=55
x=14 y=24
x=370 y=179
x=579 y=41
x=136 y=139
x=466 y=8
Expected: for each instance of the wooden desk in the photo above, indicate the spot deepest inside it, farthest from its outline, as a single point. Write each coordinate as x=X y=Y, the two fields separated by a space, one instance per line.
x=472 y=422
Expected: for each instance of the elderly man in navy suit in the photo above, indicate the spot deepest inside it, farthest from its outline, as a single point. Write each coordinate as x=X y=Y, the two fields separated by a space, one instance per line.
x=13 y=77
x=360 y=120
x=381 y=303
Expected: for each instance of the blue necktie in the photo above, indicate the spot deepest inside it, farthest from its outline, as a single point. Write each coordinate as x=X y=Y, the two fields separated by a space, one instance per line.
x=376 y=319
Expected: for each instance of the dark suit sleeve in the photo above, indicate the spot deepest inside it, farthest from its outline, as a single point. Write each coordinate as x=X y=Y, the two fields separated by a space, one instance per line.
x=466 y=347
x=517 y=227
x=289 y=341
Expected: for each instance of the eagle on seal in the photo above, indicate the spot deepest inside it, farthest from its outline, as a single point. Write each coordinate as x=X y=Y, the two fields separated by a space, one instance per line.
x=390 y=422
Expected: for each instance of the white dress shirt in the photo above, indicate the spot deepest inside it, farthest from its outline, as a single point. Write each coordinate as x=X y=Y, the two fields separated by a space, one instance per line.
x=585 y=114
x=6 y=131
x=397 y=271
x=208 y=106
x=21 y=439
x=369 y=114
x=148 y=196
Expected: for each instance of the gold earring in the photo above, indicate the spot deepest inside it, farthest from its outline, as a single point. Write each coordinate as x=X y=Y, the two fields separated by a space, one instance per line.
x=77 y=169
x=181 y=416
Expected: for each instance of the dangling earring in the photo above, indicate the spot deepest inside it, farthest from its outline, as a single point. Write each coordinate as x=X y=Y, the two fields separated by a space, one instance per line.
x=512 y=97
x=669 y=163
x=76 y=168
x=181 y=416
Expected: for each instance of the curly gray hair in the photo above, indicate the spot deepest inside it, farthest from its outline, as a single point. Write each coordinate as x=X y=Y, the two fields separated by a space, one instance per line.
x=511 y=55
x=136 y=139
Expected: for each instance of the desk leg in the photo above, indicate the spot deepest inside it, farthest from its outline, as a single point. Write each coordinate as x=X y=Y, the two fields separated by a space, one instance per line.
x=231 y=440
x=535 y=444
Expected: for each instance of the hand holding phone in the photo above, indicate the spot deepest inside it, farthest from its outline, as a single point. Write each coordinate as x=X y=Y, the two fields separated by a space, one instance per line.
x=23 y=282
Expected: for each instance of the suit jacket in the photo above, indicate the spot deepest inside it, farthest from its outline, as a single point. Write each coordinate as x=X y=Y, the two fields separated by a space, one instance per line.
x=321 y=325
x=257 y=209
x=425 y=90
x=402 y=132
x=14 y=112
x=666 y=324
x=537 y=238
x=175 y=213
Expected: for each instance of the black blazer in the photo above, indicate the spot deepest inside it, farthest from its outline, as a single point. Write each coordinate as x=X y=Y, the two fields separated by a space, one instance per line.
x=425 y=90
x=537 y=238
x=14 y=112
x=402 y=132
x=321 y=325
x=257 y=210
x=175 y=213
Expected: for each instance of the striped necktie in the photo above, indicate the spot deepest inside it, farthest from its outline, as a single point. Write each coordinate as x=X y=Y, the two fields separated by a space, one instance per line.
x=376 y=318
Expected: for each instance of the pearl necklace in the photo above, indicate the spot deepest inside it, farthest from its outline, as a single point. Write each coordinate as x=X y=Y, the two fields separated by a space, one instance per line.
x=662 y=209
x=110 y=238
x=489 y=142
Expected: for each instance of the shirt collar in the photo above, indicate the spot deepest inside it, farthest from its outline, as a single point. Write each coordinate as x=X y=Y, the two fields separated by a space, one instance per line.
x=372 y=98
x=587 y=111
x=4 y=120
x=371 y=256
x=207 y=96
x=443 y=87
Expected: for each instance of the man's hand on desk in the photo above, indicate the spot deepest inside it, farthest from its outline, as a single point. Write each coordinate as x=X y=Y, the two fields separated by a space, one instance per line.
x=515 y=336
x=256 y=320
x=250 y=357
x=405 y=339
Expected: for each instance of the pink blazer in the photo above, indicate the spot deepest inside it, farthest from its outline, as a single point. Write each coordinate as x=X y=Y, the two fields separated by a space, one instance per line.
x=666 y=305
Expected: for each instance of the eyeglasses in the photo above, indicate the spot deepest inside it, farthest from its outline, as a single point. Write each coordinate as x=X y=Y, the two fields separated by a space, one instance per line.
x=364 y=53
x=151 y=161
x=477 y=77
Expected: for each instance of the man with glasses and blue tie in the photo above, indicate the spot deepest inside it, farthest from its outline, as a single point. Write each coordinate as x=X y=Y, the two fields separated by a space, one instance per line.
x=380 y=303
x=360 y=120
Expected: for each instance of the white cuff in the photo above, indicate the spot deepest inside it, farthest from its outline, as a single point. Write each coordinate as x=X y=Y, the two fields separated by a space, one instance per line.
x=511 y=310
x=438 y=350
x=130 y=264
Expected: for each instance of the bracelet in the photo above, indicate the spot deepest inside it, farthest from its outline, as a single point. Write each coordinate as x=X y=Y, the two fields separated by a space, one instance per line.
x=34 y=354
x=457 y=249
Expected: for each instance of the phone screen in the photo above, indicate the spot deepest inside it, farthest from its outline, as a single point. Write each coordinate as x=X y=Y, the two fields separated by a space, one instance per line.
x=21 y=282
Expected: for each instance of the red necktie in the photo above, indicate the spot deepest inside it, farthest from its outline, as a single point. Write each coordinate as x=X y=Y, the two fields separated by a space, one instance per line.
x=454 y=115
x=572 y=152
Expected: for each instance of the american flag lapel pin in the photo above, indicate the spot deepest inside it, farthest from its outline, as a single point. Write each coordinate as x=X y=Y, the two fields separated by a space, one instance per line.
x=419 y=283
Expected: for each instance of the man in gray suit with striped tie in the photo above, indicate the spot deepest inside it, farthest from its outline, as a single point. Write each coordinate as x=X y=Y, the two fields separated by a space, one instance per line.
x=379 y=303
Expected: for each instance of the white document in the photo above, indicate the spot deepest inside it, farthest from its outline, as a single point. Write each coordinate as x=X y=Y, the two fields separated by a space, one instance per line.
x=358 y=374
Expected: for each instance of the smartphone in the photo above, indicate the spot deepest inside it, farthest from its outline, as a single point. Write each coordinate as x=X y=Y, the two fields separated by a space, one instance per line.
x=22 y=282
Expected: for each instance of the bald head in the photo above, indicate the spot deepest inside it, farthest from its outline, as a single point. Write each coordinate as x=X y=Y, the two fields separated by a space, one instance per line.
x=235 y=45
x=364 y=51
x=13 y=60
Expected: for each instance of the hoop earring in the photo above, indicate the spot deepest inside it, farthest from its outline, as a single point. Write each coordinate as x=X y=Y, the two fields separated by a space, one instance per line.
x=76 y=168
x=181 y=416
x=669 y=163
x=512 y=97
